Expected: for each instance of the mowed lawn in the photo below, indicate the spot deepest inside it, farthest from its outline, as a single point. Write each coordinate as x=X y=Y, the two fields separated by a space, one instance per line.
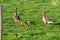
x=30 y=10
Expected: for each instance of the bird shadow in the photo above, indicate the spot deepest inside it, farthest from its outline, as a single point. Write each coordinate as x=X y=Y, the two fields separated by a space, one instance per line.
x=56 y=23
x=33 y=22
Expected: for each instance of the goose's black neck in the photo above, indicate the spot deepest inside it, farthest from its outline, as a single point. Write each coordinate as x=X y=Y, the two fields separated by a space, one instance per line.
x=44 y=14
x=16 y=11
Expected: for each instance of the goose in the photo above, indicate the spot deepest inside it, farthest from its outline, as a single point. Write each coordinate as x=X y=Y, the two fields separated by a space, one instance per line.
x=16 y=17
x=23 y=23
x=28 y=23
x=45 y=19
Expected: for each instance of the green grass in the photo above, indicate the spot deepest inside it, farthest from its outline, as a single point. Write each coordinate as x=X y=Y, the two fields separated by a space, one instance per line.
x=30 y=10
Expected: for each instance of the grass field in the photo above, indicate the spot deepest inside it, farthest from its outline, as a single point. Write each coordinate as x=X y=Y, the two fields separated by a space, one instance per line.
x=31 y=10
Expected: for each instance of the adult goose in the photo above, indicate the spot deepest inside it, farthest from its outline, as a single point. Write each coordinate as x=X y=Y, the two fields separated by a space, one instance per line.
x=16 y=17
x=46 y=19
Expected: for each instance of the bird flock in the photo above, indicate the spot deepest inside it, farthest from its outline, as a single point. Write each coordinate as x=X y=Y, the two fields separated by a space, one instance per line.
x=45 y=19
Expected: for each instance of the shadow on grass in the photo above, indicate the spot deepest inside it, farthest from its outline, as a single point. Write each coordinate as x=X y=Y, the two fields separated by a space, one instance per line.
x=5 y=34
x=33 y=22
x=56 y=23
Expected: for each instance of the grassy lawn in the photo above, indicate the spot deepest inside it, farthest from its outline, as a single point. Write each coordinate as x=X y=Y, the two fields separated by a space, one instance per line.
x=31 y=10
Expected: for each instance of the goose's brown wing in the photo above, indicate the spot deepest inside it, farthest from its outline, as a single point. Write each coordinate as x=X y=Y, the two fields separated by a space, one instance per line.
x=47 y=19
x=17 y=17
